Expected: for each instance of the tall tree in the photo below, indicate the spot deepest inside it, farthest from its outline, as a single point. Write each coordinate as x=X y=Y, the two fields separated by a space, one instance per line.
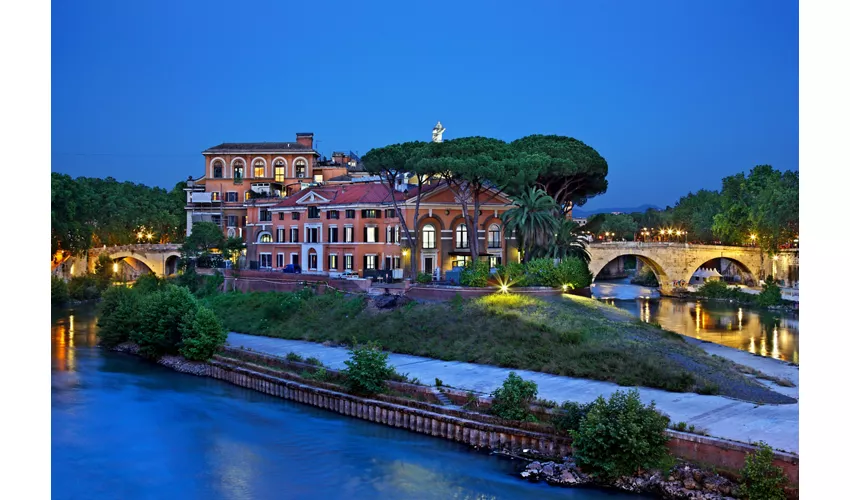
x=566 y=243
x=695 y=213
x=568 y=170
x=532 y=220
x=391 y=163
x=622 y=225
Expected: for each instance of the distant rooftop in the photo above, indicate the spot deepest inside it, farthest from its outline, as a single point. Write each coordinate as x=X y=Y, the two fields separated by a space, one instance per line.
x=261 y=147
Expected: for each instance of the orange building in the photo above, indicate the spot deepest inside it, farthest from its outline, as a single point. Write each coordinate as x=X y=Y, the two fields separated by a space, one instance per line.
x=354 y=228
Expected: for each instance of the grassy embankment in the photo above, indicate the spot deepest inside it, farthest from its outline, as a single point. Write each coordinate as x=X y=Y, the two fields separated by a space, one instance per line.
x=570 y=336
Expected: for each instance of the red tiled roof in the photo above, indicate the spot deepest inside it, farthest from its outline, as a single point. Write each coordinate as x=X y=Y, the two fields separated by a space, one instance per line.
x=345 y=194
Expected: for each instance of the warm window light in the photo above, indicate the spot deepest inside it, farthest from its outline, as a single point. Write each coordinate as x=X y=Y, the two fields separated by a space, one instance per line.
x=115 y=267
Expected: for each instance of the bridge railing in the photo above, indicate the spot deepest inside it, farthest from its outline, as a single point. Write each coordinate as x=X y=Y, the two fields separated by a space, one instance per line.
x=139 y=248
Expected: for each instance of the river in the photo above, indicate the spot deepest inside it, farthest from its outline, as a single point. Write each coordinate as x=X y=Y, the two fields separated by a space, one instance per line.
x=758 y=331
x=126 y=428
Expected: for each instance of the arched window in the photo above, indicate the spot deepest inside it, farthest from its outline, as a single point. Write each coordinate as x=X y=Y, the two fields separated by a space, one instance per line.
x=429 y=237
x=218 y=169
x=259 y=169
x=279 y=171
x=461 y=239
x=238 y=170
x=494 y=236
x=265 y=238
x=300 y=168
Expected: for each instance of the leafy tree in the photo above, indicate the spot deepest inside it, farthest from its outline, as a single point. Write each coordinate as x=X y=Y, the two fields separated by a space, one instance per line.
x=760 y=479
x=58 y=291
x=205 y=337
x=566 y=243
x=119 y=315
x=166 y=316
x=205 y=237
x=621 y=436
x=513 y=400
x=568 y=170
x=770 y=295
x=476 y=274
x=367 y=370
x=695 y=213
x=532 y=220
x=622 y=225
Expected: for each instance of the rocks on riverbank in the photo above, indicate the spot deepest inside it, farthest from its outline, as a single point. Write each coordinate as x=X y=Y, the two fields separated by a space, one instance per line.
x=684 y=481
x=177 y=363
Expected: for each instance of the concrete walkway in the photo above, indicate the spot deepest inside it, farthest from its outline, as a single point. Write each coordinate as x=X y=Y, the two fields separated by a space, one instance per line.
x=777 y=425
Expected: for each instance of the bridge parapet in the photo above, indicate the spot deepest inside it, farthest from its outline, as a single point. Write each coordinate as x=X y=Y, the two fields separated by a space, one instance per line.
x=138 y=248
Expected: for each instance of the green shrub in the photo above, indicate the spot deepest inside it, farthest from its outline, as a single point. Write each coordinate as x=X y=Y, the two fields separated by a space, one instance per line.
x=83 y=288
x=569 y=416
x=204 y=338
x=292 y=356
x=476 y=274
x=119 y=315
x=715 y=289
x=166 y=316
x=645 y=278
x=760 y=479
x=438 y=382
x=770 y=295
x=103 y=274
x=58 y=291
x=210 y=284
x=511 y=274
x=679 y=426
x=367 y=370
x=312 y=360
x=423 y=278
x=621 y=436
x=148 y=283
x=512 y=401
x=573 y=272
x=541 y=272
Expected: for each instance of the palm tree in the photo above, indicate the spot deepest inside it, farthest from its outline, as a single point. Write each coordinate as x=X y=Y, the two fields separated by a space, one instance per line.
x=567 y=243
x=533 y=220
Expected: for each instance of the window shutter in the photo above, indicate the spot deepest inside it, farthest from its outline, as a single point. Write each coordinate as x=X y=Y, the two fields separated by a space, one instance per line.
x=364 y=263
x=378 y=214
x=364 y=235
x=377 y=234
x=363 y=213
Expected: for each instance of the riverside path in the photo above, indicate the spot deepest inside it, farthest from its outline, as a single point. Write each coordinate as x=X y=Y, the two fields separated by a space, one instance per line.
x=777 y=425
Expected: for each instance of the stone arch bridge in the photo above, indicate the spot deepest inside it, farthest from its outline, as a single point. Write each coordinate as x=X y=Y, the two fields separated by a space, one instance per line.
x=672 y=262
x=129 y=260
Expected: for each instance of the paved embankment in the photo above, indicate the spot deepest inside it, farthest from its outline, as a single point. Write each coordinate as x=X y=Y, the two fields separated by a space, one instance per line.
x=777 y=425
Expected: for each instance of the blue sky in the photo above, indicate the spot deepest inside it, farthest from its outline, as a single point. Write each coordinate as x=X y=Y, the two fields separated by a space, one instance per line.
x=674 y=94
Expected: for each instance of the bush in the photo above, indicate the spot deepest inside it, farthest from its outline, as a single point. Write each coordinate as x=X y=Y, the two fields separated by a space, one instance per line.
x=293 y=356
x=167 y=315
x=512 y=401
x=204 y=338
x=476 y=274
x=645 y=278
x=210 y=285
x=715 y=289
x=770 y=295
x=83 y=288
x=760 y=479
x=103 y=274
x=148 y=283
x=312 y=360
x=367 y=370
x=512 y=274
x=423 y=278
x=58 y=291
x=541 y=272
x=119 y=315
x=621 y=436
x=573 y=272
x=569 y=417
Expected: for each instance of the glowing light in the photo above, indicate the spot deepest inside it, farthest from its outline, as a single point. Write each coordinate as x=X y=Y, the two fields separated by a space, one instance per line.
x=775 y=257
x=564 y=287
x=504 y=288
x=752 y=236
x=115 y=267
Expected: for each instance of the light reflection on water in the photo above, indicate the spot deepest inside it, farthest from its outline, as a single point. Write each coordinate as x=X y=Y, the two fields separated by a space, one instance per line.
x=759 y=332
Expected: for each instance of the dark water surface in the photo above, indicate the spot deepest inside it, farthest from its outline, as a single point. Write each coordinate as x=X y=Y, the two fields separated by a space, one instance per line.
x=125 y=428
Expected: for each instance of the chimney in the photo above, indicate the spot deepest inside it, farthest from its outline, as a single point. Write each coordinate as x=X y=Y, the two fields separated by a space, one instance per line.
x=338 y=157
x=305 y=139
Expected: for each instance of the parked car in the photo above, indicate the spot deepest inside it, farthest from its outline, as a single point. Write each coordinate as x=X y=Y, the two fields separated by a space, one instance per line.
x=292 y=268
x=349 y=275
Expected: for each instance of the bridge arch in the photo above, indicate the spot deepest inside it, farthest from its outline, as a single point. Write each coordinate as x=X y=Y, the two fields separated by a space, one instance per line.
x=731 y=265
x=597 y=265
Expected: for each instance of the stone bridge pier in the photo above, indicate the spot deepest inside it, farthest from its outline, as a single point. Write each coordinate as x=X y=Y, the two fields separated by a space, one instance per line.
x=672 y=262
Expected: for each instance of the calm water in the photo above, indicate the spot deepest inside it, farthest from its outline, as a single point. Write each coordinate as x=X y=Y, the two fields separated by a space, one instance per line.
x=758 y=331
x=125 y=428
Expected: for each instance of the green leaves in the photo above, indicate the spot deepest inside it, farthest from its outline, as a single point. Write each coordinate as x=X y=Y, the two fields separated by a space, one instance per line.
x=760 y=479
x=367 y=370
x=532 y=218
x=513 y=400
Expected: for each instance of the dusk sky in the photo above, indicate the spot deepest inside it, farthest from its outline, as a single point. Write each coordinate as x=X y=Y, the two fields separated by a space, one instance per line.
x=674 y=94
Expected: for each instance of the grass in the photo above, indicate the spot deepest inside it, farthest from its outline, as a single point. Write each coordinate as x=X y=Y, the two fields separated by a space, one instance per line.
x=572 y=336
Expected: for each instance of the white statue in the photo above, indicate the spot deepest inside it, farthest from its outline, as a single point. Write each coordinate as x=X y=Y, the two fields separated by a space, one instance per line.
x=437 y=133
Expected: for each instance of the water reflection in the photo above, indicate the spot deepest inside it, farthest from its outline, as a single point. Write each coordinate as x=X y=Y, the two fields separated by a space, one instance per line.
x=757 y=331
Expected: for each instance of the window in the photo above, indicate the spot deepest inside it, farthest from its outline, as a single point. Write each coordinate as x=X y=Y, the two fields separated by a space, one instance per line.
x=495 y=260
x=293 y=235
x=215 y=196
x=390 y=234
x=280 y=260
x=333 y=235
x=216 y=219
x=349 y=214
x=259 y=169
x=333 y=214
x=265 y=238
x=248 y=195
x=398 y=234
x=265 y=260
x=231 y=196
x=348 y=262
x=280 y=216
x=232 y=221
x=279 y=171
x=348 y=234
x=318 y=178
x=313 y=213
x=462 y=260
x=494 y=237
x=238 y=171
x=370 y=213
x=429 y=237
x=244 y=220
x=312 y=234
x=312 y=261
x=281 y=235
x=371 y=261
x=296 y=215
x=390 y=212
x=265 y=215
x=332 y=261
x=218 y=169
x=294 y=259
x=396 y=262
x=370 y=234
x=461 y=240
x=300 y=168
